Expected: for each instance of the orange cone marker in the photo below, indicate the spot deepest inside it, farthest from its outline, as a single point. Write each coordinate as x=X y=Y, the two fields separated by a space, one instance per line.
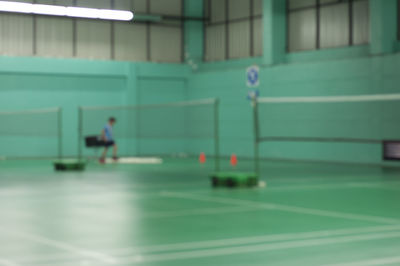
x=202 y=158
x=234 y=160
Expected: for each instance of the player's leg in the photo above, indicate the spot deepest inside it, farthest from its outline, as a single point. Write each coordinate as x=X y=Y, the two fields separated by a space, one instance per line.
x=115 y=150
x=103 y=155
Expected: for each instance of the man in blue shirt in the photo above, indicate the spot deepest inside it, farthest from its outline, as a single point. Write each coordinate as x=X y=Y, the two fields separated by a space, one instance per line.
x=107 y=138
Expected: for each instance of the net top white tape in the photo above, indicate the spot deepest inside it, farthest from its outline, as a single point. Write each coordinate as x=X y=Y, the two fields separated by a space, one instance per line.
x=173 y=104
x=331 y=99
x=37 y=111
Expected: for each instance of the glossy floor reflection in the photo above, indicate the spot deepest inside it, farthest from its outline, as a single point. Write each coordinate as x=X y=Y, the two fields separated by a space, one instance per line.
x=309 y=214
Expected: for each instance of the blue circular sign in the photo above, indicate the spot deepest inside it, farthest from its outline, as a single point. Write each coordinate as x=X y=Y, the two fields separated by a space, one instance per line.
x=253 y=76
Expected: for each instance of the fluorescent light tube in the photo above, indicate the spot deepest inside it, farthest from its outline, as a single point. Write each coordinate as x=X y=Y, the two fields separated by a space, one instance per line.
x=82 y=12
x=76 y=12
x=48 y=10
x=15 y=7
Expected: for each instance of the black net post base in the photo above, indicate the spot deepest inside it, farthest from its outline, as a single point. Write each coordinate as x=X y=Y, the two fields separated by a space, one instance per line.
x=234 y=179
x=69 y=166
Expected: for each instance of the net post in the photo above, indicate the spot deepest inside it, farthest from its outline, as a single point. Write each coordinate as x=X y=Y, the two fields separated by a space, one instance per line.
x=254 y=105
x=216 y=134
x=60 y=134
x=79 y=134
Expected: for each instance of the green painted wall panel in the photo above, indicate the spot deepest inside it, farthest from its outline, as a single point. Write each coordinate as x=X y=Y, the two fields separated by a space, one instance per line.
x=36 y=83
x=354 y=76
x=40 y=82
x=158 y=90
x=341 y=71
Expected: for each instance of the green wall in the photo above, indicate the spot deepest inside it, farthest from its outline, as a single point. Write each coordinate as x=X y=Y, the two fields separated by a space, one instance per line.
x=27 y=83
x=370 y=69
x=35 y=83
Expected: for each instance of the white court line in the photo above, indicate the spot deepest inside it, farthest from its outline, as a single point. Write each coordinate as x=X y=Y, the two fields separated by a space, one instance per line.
x=287 y=208
x=235 y=250
x=36 y=259
x=342 y=179
x=4 y=262
x=350 y=185
x=372 y=262
x=204 y=211
x=169 y=214
x=253 y=240
x=390 y=187
x=98 y=190
x=215 y=243
x=113 y=217
x=101 y=257
x=256 y=248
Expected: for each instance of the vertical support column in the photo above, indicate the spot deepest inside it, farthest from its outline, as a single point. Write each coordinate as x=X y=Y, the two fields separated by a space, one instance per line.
x=34 y=32
x=216 y=135
x=112 y=34
x=60 y=134
x=383 y=26
x=227 y=24
x=194 y=31
x=318 y=26
x=252 y=28
x=182 y=21
x=148 y=33
x=351 y=21
x=274 y=33
x=132 y=98
x=74 y=34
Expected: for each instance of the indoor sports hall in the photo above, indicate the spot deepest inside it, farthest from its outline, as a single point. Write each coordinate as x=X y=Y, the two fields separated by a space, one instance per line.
x=199 y=132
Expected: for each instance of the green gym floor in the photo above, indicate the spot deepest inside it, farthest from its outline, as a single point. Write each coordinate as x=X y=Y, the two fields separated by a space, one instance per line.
x=309 y=214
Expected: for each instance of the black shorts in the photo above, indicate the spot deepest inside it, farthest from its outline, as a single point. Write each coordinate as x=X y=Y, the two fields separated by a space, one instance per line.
x=109 y=143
